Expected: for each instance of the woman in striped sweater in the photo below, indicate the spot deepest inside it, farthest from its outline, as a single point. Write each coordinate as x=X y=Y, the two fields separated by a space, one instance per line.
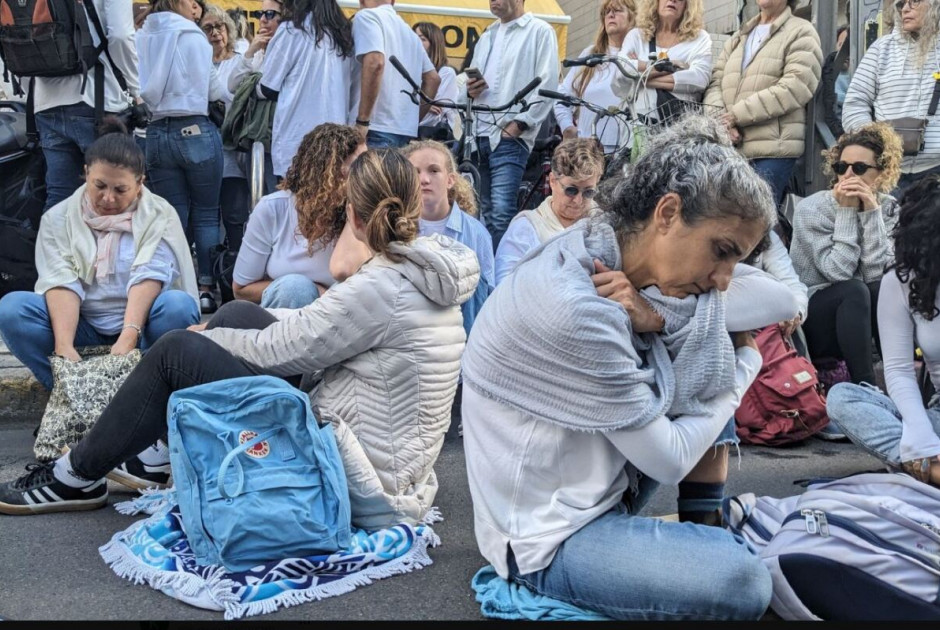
x=897 y=78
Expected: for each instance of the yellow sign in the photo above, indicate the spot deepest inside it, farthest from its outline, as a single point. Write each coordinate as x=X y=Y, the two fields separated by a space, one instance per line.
x=463 y=21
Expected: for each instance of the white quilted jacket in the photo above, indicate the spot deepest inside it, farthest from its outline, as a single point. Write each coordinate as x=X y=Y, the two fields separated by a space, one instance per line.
x=388 y=341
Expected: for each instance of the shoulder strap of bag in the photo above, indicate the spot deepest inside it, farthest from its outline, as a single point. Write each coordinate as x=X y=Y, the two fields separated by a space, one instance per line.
x=99 y=67
x=935 y=101
x=653 y=52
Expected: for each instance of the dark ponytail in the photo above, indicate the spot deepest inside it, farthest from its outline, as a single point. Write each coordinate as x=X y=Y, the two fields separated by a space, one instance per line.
x=328 y=19
x=115 y=147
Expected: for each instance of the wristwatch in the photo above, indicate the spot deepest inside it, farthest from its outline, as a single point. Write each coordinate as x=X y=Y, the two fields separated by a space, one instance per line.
x=522 y=125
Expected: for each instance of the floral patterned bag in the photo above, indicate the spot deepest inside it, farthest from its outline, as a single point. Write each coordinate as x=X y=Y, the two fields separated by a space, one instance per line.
x=80 y=392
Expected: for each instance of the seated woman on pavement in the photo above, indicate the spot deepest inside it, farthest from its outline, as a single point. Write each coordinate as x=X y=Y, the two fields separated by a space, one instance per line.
x=114 y=266
x=900 y=429
x=447 y=203
x=284 y=261
x=385 y=344
x=841 y=246
x=582 y=395
x=577 y=166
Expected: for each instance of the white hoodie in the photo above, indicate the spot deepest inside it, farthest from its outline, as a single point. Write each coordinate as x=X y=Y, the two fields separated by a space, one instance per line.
x=177 y=77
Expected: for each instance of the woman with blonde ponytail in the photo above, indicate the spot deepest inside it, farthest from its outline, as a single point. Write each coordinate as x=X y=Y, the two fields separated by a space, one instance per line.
x=448 y=203
x=383 y=349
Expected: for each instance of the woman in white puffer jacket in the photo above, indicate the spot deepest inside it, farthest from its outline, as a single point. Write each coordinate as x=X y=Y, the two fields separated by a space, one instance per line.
x=385 y=345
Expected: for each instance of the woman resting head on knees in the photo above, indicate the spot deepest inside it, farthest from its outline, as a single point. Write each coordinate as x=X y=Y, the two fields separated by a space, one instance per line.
x=114 y=267
x=896 y=79
x=899 y=429
x=284 y=261
x=447 y=205
x=675 y=28
x=398 y=315
x=580 y=396
x=841 y=246
x=577 y=166
x=765 y=76
x=438 y=122
x=595 y=83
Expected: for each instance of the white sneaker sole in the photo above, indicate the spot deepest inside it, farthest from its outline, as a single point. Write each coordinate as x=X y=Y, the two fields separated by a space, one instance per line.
x=136 y=483
x=57 y=506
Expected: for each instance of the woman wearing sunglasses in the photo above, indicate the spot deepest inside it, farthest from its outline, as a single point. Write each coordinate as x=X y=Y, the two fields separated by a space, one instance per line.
x=269 y=17
x=577 y=165
x=841 y=246
x=898 y=78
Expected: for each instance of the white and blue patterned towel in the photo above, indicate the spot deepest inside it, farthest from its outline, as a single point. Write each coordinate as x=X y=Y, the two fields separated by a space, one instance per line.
x=155 y=551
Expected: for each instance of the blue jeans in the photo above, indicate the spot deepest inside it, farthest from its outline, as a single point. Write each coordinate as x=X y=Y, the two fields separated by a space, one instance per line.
x=290 y=291
x=501 y=172
x=65 y=133
x=27 y=331
x=871 y=420
x=187 y=172
x=776 y=172
x=385 y=140
x=637 y=568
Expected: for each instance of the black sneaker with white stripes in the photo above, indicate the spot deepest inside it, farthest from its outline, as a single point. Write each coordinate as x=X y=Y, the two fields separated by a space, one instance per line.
x=38 y=492
x=139 y=476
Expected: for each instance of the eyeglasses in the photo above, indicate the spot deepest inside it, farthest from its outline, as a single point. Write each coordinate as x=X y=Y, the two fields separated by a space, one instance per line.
x=587 y=193
x=859 y=168
x=900 y=4
x=268 y=14
x=208 y=28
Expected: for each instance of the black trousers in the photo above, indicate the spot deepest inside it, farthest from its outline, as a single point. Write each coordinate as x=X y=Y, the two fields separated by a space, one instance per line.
x=235 y=203
x=843 y=323
x=136 y=416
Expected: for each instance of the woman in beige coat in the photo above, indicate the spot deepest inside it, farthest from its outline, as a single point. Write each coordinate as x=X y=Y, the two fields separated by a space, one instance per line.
x=763 y=80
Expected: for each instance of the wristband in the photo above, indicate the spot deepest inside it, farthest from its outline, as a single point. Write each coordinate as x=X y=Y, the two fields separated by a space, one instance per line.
x=362 y=123
x=135 y=327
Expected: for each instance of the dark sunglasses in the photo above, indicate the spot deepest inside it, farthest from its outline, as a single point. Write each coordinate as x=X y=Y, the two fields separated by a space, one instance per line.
x=587 y=193
x=900 y=5
x=859 y=168
x=269 y=14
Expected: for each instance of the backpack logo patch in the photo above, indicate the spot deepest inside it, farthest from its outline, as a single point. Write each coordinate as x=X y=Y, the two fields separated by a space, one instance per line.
x=259 y=450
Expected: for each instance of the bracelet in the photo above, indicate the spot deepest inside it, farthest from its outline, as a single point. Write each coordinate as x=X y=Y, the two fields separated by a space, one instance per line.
x=363 y=123
x=135 y=327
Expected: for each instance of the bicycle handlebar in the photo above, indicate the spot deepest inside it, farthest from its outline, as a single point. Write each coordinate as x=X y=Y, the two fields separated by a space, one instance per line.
x=573 y=101
x=417 y=93
x=597 y=59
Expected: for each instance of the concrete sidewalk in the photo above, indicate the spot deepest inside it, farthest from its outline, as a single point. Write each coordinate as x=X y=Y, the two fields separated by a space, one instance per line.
x=22 y=398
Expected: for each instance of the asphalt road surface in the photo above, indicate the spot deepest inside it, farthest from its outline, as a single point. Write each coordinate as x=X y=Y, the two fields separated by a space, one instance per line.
x=51 y=569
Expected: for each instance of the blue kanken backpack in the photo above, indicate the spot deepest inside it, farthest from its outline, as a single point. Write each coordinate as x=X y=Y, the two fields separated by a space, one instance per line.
x=258 y=479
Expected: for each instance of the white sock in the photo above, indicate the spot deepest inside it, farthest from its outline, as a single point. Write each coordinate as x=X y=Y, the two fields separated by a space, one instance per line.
x=64 y=474
x=157 y=454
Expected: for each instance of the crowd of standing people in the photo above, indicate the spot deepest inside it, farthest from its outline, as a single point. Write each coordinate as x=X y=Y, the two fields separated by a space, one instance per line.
x=601 y=342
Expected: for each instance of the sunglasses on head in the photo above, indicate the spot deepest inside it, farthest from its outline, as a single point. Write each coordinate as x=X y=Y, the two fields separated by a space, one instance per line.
x=900 y=4
x=859 y=168
x=587 y=193
x=268 y=14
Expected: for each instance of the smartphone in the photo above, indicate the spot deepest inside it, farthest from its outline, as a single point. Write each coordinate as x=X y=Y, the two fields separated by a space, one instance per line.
x=192 y=130
x=474 y=74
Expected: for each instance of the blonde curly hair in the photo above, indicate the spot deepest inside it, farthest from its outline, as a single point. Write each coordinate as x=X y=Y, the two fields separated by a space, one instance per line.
x=693 y=19
x=316 y=179
x=462 y=192
x=882 y=140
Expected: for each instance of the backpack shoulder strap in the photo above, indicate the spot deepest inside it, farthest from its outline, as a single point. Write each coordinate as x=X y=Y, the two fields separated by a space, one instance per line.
x=103 y=46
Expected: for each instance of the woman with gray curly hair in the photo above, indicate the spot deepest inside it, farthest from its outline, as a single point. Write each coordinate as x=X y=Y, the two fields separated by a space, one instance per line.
x=602 y=367
x=898 y=79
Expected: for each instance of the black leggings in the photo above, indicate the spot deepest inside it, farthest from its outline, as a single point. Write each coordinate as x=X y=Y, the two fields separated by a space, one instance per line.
x=136 y=416
x=841 y=323
x=235 y=202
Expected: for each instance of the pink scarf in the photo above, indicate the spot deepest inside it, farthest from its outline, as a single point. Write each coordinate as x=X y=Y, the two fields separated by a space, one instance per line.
x=107 y=229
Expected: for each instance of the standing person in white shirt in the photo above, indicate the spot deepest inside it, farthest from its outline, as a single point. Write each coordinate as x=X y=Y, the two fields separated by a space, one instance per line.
x=184 y=148
x=511 y=52
x=386 y=117
x=595 y=84
x=65 y=115
x=675 y=29
x=310 y=71
x=438 y=123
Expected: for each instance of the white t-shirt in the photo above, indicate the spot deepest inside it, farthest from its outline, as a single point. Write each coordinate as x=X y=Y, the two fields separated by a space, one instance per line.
x=754 y=41
x=273 y=246
x=314 y=84
x=427 y=228
x=381 y=30
x=446 y=91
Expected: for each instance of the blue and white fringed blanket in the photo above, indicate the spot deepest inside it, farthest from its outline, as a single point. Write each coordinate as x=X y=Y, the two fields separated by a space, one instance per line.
x=155 y=551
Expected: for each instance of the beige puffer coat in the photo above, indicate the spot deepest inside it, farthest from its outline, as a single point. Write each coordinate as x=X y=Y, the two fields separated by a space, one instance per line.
x=769 y=97
x=388 y=341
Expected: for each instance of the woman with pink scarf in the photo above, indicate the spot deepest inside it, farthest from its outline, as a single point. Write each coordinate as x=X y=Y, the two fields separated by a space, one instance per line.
x=114 y=266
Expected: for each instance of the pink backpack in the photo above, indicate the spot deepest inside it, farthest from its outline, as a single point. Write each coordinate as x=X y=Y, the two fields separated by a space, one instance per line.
x=786 y=403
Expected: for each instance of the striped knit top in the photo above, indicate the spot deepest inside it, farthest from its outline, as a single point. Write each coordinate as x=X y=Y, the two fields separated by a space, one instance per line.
x=889 y=83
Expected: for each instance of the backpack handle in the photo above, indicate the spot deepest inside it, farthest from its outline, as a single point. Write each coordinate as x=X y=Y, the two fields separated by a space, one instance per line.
x=231 y=457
